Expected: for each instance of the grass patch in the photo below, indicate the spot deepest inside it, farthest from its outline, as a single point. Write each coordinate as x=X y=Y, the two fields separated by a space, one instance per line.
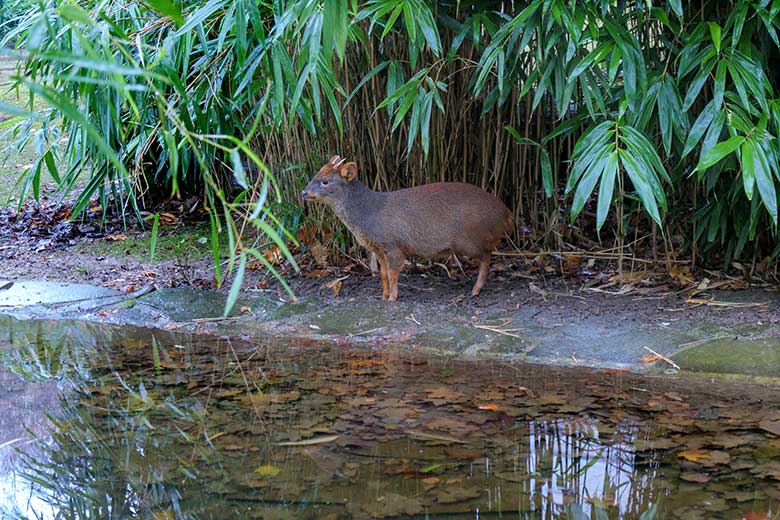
x=14 y=161
x=185 y=243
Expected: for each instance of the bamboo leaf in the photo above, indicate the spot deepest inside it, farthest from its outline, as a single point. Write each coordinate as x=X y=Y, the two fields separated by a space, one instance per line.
x=642 y=186
x=719 y=151
x=676 y=7
x=169 y=8
x=697 y=84
x=715 y=34
x=748 y=169
x=547 y=175
x=238 y=169
x=235 y=286
x=154 y=236
x=765 y=182
x=588 y=181
x=606 y=188
x=699 y=127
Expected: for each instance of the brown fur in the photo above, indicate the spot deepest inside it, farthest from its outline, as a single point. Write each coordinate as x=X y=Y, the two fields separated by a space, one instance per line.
x=431 y=221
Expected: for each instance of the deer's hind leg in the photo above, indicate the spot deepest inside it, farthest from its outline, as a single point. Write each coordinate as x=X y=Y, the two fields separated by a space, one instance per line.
x=395 y=263
x=383 y=273
x=484 y=266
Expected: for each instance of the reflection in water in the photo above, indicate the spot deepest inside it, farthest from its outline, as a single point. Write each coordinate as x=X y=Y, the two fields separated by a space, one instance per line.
x=162 y=425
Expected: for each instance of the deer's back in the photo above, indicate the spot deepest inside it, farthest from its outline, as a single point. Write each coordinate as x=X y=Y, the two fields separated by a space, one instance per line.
x=441 y=218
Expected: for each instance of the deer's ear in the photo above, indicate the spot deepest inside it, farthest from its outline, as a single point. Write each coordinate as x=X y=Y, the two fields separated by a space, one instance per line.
x=348 y=171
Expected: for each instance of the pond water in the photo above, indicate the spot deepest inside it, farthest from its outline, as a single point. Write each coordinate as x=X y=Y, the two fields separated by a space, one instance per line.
x=102 y=421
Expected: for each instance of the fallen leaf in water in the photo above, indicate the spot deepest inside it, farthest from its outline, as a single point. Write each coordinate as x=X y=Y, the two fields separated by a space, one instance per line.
x=756 y=515
x=729 y=440
x=392 y=505
x=491 y=407
x=276 y=398
x=655 y=443
x=444 y=394
x=771 y=424
x=700 y=478
x=705 y=457
x=435 y=437
x=693 y=455
x=114 y=238
x=453 y=495
x=268 y=470
x=513 y=476
x=365 y=363
x=244 y=309
x=767 y=470
x=650 y=358
x=324 y=439
x=431 y=481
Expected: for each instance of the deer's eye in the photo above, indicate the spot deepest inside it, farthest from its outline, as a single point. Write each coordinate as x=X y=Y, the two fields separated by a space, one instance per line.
x=324 y=183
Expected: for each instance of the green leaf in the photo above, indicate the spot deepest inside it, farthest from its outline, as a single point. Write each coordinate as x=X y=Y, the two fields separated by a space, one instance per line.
x=235 y=286
x=606 y=188
x=169 y=8
x=425 y=122
x=48 y=158
x=699 y=127
x=547 y=174
x=424 y=18
x=76 y=14
x=642 y=186
x=596 y=55
x=588 y=148
x=739 y=23
x=748 y=169
x=238 y=169
x=373 y=72
x=197 y=17
x=720 y=83
x=391 y=21
x=719 y=151
x=697 y=84
x=665 y=115
x=765 y=182
x=154 y=236
x=588 y=181
x=215 y=254
x=715 y=34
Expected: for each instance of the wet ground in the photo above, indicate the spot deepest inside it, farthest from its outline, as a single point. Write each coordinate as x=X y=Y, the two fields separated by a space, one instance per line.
x=123 y=421
x=641 y=333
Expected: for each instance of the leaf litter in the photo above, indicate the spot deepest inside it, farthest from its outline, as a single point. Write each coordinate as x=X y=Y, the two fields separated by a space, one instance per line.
x=395 y=434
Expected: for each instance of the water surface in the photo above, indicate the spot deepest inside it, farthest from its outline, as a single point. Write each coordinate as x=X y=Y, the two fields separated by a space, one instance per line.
x=102 y=421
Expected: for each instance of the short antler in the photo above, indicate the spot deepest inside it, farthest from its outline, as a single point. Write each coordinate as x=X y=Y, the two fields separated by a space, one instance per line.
x=336 y=161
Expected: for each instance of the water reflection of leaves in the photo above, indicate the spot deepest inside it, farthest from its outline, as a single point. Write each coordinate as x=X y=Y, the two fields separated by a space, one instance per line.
x=371 y=434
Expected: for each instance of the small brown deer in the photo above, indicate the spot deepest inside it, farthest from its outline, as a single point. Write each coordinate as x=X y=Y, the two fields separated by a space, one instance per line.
x=430 y=221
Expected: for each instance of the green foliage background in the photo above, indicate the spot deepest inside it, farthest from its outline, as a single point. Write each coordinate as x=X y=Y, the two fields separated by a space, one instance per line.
x=629 y=117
